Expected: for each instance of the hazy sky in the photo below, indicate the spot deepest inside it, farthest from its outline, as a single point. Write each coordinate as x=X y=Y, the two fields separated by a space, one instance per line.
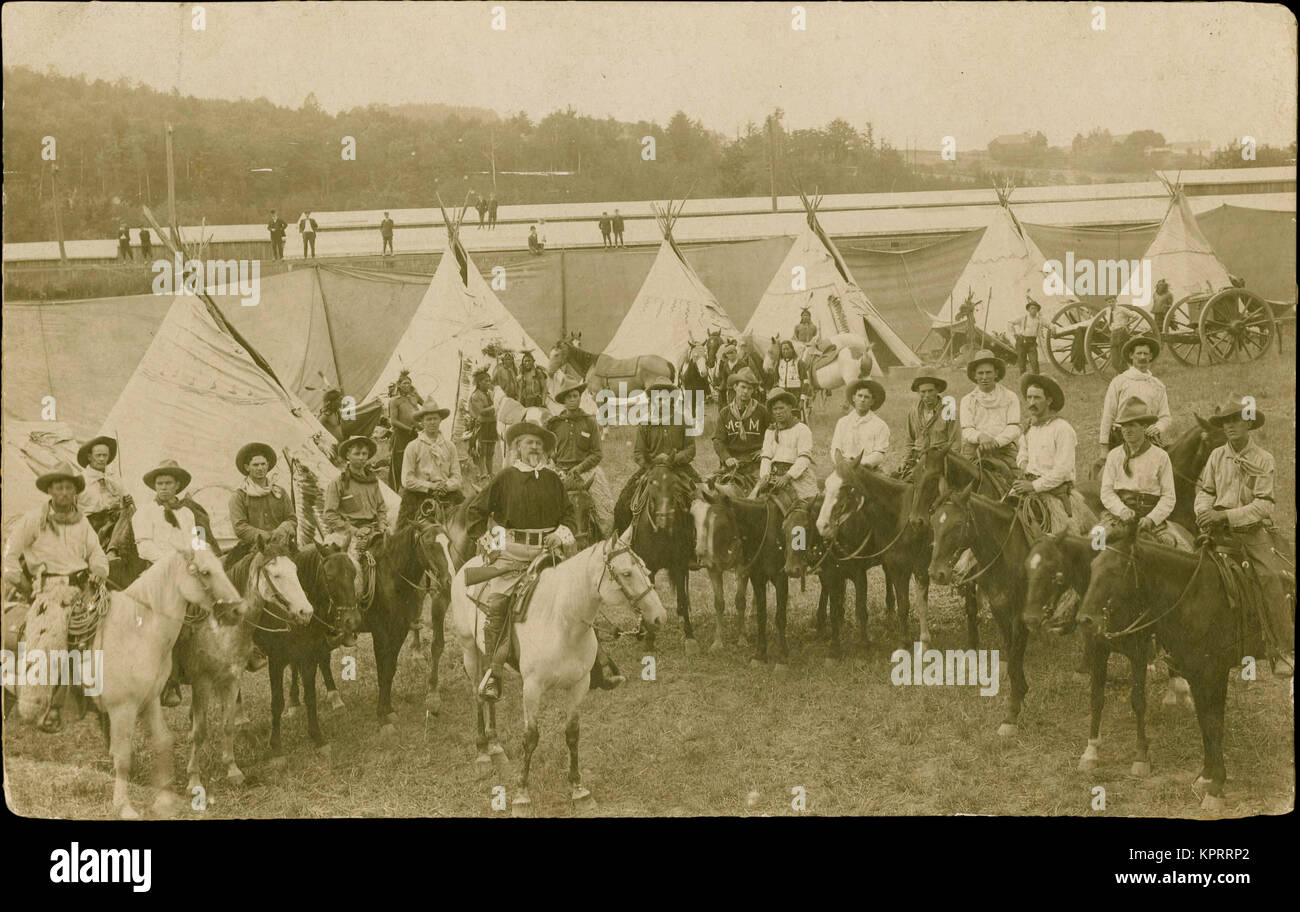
x=918 y=71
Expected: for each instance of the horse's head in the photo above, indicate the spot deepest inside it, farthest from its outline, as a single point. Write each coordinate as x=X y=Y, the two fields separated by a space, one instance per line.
x=336 y=584
x=717 y=542
x=666 y=494
x=559 y=356
x=1112 y=588
x=928 y=483
x=625 y=580
x=275 y=581
x=712 y=343
x=428 y=539
x=1045 y=575
x=799 y=531
x=205 y=584
x=953 y=526
x=1191 y=452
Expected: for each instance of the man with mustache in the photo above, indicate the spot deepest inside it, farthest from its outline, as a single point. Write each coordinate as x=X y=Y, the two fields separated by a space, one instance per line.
x=990 y=413
x=1046 y=458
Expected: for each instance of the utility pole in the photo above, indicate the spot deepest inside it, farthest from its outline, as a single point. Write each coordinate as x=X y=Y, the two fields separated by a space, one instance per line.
x=171 y=192
x=58 y=213
x=492 y=145
x=771 y=157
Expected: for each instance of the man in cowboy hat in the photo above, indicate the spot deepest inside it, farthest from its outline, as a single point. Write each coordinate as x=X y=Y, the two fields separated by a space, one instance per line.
x=785 y=466
x=104 y=498
x=52 y=544
x=1138 y=381
x=403 y=405
x=577 y=453
x=169 y=522
x=1046 y=458
x=1235 y=496
x=990 y=413
x=926 y=424
x=330 y=414
x=1027 y=330
x=505 y=375
x=656 y=444
x=806 y=330
x=527 y=499
x=861 y=435
x=483 y=419
x=532 y=382
x=259 y=507
x=728 y=363
x=1137 y=482
x=790 y=374
x=742 y=424
x=430 y=467
x=355 y=511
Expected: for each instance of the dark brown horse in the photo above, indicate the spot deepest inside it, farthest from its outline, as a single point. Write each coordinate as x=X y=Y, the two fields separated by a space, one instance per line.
x=835 y=565
x=663 y=536
x=753 y=529
x=1188 y=455
x=1138 y=587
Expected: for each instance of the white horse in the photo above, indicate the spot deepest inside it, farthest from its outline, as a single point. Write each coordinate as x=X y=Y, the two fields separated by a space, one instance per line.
x=557 y=644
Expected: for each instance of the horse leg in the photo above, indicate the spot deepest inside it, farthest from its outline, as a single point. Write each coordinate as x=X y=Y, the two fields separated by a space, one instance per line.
x=495 y=750
x=1017 y=635
x=1209 y=690
x=860 y=602
x=523 y=804
x=230 y=701
x=386 y=666
x=972 y=616
x=327 y=676
x=433 y=699
x=483 y=761
x=782 y=585
x=576 y=693
x=833 y=592
x=742 y=641
x=678 y=575
x=760 y=617
x=122 y=730
x=719 y=608
x=823 y=604
x=294 y=703
x=308 y=667
x=166 y=802
x=276 y=669
x=1095 y=652
x=1141 y=767
x=898 y=578
x=198 y=730
x=921 y=573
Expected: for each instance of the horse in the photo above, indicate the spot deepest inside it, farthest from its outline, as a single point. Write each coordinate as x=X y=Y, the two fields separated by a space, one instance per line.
x=605 y=373
x=557 y=644
x=328 y=578
x=902 y=548
x=588 y=530
x=403 y=561
x=999 y=542
x=712 y=343
x=663 y=536
x=1188 y=455
x=752 y=528
x=716 y=564
x=136 y=636
x=693 y=376
x=1182 y=597
x=213 y=655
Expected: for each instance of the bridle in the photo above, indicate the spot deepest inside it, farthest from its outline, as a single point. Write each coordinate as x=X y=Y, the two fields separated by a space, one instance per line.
x=866 y=538
x=277 y=600
x=616 y=548
x=1142 y=621
x=219 y=608
x=969 y=520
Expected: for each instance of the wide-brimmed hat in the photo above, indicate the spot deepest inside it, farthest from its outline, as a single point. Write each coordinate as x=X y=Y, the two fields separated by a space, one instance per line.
x=359 y=440
x=62 y=471
x=1233 y=409
x=1030 y=302
x=744 y=375
x=566 y=384
x=776 y=394
x=248 y=451
x=1055 y=395
x=430 y=408
x=1127 y=351
x=528 y=428
x=168 y=467
x=984 y=356
x=925 y=378
x=83 y=454
x=877 y=391
x=1135 y=410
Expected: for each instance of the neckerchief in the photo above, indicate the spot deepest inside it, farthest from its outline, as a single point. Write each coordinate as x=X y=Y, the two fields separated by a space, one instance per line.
x=52 y=517
x=535 y=471
x=253 y=489
x=168 y=505
x=365 y=476
x=1131 y=455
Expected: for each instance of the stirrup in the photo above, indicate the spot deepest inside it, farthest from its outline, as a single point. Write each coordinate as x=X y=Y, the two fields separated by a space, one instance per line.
x=490 y=688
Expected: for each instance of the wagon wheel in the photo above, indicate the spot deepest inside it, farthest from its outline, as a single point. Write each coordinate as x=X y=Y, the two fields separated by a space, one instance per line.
x=1097 y=340
x=1236 y=325
x=1065 y=338
x=1179 y=333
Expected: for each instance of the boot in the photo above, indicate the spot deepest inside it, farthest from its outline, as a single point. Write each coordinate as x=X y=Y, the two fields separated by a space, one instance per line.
x=497 y=643
x=256 y=660
x=604 y=673
x=171 y=693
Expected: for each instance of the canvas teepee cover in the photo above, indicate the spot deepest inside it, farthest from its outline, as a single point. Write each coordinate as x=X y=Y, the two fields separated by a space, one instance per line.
x=457 y=319
x=826 y=276
x=1007 y=262
x=32 y=448
x=199 y=394
x=673 y=306
x=1180 y=253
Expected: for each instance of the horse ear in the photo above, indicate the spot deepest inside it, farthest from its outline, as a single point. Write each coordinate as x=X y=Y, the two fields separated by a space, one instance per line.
x=1205 y=425
x=1060 y=537
x=626 y=537
x=964 y=494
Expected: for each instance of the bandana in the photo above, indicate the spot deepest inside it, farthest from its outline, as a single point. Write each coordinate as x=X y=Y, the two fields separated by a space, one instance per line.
x=365 y=476
x=52 y=517
x=1130 y=455
x=253 y=489
x=535 y=471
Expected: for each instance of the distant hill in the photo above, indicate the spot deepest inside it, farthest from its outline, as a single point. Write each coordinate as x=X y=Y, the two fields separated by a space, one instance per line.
x=437 y=113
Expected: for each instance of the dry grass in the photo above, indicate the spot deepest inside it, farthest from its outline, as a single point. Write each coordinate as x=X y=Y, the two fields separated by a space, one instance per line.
x=712 y=736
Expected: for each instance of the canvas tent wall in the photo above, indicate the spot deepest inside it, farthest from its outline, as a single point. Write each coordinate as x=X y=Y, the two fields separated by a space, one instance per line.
x=196 y=396
x=824 y=276
x=1180 y=253
x=1006 y=264
x=31 y=448
x=672 y=308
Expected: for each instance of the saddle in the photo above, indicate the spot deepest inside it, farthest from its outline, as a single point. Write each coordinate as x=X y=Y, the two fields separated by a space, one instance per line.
x=521 y=593
x=1242 y=586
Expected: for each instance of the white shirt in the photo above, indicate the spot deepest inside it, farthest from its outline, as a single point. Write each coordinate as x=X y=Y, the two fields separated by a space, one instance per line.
x=1047 y=451
x=1146 y=387
x=155 y=538
x=865 y=436
x=787 y=374
x=1027 y=326
x=996 y=414
x=793 y=445
x=1150 y=473
x=102 y=492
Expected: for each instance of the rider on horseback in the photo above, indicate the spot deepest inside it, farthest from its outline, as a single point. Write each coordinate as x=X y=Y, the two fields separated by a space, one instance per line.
x=742 y=423
x=785 y=468
x=354 y=506
x=430 y=467
x=861 y=436
x=1137 y=481
x=104 y=499
x=656 y=444
x=1046 y=458
x=926 y=424
x=577 y=449
x=990 y=414
x=52 y=545
x=258 y=507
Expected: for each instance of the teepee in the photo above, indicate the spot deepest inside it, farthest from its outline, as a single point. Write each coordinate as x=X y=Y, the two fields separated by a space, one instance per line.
x=673 y=307
x=1180 y=254
x=458 y=319
x=815 y=276
x=1006 y=263
x=31 y=448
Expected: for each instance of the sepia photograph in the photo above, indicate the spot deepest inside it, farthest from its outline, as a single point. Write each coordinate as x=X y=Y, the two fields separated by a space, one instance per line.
x=648 y=410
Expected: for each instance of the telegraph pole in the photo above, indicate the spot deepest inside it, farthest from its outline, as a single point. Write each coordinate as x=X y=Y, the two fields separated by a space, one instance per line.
x=171 y=192
x=58 y=212
x=771 y=158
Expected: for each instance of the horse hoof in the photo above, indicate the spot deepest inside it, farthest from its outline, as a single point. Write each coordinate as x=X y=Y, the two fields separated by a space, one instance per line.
x=433 y=702
x=780 y=669
x=1086 y=764
x=1201 y=785
x=1171 y=698
x=1186 y=701
x=166 y=804
x=126 y=812
x=279 y=762
x=390 y=719
x=716 y=647
x=692 y=647
x=336 y=701
x=235 y=777
x=497 y=753
x=291 y=711
x=1140 y=769
x=1080 y=677
x=755 y=663
x=1007 y=730
x=1212 y=803
x=325 y=751
x=522 y=807
x=581 y=795
x=483 y=766
x=388 y=731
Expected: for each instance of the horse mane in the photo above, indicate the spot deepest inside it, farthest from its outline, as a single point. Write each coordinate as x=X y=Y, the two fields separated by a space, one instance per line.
x=239 y=572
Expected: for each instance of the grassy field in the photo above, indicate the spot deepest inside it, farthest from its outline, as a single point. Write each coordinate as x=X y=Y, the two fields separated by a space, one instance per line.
x=711 y=736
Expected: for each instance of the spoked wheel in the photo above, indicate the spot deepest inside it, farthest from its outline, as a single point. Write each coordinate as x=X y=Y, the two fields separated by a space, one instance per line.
x=1236 y=326
x=1065 y=339
x=1119 y=321
x=1180 y=334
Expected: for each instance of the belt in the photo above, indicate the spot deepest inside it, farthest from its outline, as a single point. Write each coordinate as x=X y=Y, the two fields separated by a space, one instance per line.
x=1138 y=501
x=527 y=536
x=780 y=468
x=76 y=579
